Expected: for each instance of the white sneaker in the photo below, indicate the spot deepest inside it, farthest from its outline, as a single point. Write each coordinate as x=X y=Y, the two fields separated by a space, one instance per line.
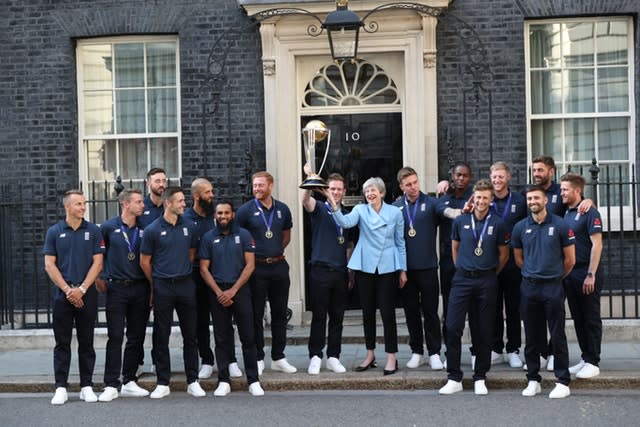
x=205 y=371
x=473 y=363
x=283 y=366
x=532 y=389
x=87 y=394
x=550 y=363
x=223 y=389
x=108 y=394
x=451 y=387
x=160 y=392
x=234 y=370
x=195 y=390
x=588 y=371
x=480 y=388
x=496 y=358
x=314 y=365
x=513 y=359
x=560 y=391
x=576 y=368
x=60 y=397
x=131 y=389
x=435 y=362
x=260 y=367
x=415 y=361
x=333 y=364
x=256 y=389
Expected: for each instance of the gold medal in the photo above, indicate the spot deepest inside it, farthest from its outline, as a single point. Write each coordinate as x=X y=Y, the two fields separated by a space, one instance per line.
x=478 y=251
x=412 y=232
x=341 y=240
x=131 y=256
x=268 y=234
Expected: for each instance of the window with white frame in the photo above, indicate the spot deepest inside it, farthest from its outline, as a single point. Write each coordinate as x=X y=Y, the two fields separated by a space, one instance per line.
x=580 y=86
x=129 y=110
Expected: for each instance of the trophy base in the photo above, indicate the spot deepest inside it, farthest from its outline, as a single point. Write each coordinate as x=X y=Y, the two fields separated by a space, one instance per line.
x=313 y=182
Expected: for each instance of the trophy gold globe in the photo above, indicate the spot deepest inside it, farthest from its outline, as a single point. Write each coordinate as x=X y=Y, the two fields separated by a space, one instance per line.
x=314 y=132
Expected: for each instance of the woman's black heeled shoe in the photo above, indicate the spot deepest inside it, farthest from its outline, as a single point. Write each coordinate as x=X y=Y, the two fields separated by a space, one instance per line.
x=393 y=371
x=371 y=365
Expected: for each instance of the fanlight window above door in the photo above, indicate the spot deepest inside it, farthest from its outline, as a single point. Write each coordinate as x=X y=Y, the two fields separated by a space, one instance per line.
x=350 y=84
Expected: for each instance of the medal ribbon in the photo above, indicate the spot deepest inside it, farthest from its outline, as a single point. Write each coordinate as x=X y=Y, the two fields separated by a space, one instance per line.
x=484 y=229
x=411 y=215
x=339 y=230
x=264 y=218
x=505 y=212
x=130 y=244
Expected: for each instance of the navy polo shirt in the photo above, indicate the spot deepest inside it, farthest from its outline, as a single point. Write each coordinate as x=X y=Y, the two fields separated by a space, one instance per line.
x=583 y=226
x=542 y=245
x=151 y=212
x=554 y=200
x=510 y=209
x=421 y=249
x=495 y=234
x=226 y=253
x=325 y=247
x=73 y=249
x=169 y=247
x=117 y=264
x=201 y=225
x=449 y=201
x=249 y=217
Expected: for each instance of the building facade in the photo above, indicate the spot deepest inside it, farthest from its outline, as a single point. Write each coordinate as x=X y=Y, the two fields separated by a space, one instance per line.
x=99 y=89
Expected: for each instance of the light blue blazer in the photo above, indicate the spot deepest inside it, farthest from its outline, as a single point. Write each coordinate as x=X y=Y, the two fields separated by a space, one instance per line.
x=381 y=242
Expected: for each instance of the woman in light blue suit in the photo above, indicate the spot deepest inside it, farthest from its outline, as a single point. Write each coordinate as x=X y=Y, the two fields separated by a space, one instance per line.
x=380 y=262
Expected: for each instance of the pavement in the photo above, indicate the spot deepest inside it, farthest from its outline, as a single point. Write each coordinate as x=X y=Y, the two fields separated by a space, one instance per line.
x=26 y=364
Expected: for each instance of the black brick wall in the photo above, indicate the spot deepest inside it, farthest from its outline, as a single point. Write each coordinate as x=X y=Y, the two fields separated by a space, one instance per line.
x=491 y=33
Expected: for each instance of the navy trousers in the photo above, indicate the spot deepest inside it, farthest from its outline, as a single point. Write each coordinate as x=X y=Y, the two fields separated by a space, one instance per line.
x=585 y=311
x=420 y=297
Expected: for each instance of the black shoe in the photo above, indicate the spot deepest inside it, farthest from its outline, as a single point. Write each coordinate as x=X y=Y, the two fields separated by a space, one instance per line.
x=393 y=371
x=371 y=365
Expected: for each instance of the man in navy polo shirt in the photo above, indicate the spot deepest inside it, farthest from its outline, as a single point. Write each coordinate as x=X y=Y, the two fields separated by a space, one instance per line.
x=201 y=214
x=328 y=287
x=73 y=256
x=543 y=248
x=227 y=261
x=420 y=294
x=153 y=207
x=582 y=286
x=167 y=251
x=511 y=207
x=480 y=251
x=127 y=297
x=450 y=206
x=269 y=222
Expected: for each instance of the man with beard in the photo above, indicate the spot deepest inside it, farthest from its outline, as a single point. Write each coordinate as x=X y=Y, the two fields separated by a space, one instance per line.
x=583 y=284
x=479 y=244
x=127 y=292
x=166 y=255
x=153 y=208
x=269 y=222
x=544 y=249
x=227 y=261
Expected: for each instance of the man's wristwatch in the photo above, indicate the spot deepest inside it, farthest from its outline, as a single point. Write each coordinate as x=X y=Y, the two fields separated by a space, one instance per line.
x=82 y=289
x=589 y=274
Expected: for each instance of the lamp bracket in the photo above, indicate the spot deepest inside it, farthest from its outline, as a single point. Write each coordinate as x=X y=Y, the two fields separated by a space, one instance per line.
x=313 y=30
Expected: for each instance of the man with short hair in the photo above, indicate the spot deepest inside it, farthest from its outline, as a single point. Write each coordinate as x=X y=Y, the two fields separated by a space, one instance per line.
x=226 y=264
x=127 y=299
x=479 y=244
x=582 y=286
x=153 y=207
x=73 y=257
x=166 y=255
x=328 y=277
x=420 y=295
x=543 y=248
x=511 y=207
x=269 y=222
